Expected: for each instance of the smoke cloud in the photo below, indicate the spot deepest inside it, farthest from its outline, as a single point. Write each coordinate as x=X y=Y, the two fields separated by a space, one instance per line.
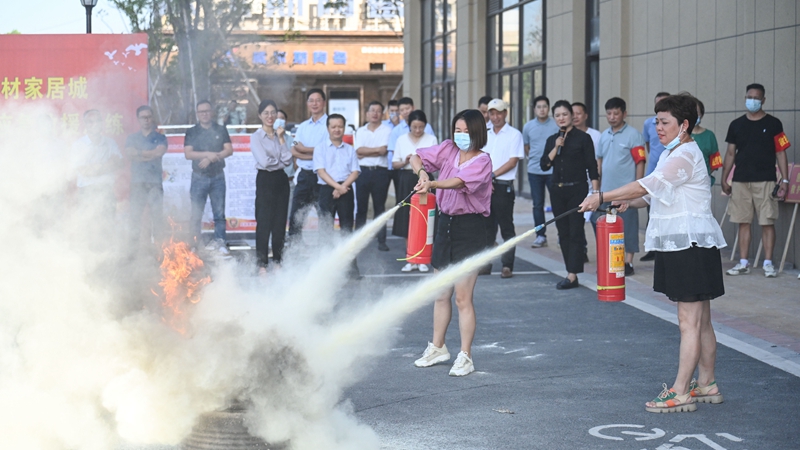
x=88 y=360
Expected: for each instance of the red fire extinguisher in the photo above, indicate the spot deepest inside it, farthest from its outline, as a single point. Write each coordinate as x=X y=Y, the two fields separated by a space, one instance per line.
x=610 y=258
x=421 y=223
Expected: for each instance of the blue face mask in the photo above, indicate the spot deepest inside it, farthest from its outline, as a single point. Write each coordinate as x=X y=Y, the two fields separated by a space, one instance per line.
x=698 y=121
x=462 y=141
x=752 y=104
x=279 y=123
x=674 y=143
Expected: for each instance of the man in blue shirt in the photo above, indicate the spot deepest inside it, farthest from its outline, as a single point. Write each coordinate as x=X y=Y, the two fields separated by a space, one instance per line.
x=146 y=148
x=310 y=134
x=654 y=149
x=621 y=160
x=534 y=136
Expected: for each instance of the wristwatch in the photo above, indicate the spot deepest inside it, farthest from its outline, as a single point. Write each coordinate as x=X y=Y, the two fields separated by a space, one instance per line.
x=785 y=181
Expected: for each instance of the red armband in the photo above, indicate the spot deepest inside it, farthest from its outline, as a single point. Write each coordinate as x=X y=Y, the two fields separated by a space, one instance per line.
x=781 y=142
x=715 y=161
x=638 y=154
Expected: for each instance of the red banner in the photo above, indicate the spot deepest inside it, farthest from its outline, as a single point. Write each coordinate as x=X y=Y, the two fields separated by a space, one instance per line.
x=76 y=72
x=793 y=193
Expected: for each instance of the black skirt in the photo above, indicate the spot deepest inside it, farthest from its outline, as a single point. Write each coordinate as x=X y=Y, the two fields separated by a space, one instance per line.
x=406 y=180
x=457 y=238
x=694 y=274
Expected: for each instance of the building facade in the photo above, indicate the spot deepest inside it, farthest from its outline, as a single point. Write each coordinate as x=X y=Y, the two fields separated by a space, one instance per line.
x=592 y=50
x=353 y=51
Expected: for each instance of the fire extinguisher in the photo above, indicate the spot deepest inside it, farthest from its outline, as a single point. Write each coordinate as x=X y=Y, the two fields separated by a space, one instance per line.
x=421 y=224
x=610 y=258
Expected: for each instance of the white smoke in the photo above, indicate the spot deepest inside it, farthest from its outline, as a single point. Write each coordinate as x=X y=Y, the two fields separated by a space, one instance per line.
x=87 y=362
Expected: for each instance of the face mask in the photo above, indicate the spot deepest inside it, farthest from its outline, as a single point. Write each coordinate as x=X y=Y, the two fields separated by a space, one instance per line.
x=462 y=141
x=752 y=104
x=698 y=122
x=674 y=143
x=392 y=115
x=279 y=123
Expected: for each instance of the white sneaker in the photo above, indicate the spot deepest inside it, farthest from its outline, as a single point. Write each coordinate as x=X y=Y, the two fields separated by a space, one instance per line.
x=423 y=268
x=409 y=267
x=212 y=245
x=769 y=271
x=224 y=252
x=739 y=269
x=540 y=241
x=462 y=366
x=433 y=355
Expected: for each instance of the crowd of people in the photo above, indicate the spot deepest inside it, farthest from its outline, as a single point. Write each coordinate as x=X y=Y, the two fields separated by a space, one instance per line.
x=667 y=168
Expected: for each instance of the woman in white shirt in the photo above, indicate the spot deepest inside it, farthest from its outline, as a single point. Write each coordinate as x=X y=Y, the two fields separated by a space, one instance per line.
x=686 y=238
x=406 y=146
x=271 y=152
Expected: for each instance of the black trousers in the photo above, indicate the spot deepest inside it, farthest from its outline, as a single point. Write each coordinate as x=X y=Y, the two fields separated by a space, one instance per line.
x=329 y=207
x=305 y=194
x=372 y=182
x=571 y=236
x=272 y=210
x=502 y=215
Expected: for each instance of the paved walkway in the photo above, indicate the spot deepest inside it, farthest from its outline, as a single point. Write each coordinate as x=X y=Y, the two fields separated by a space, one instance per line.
x=765 y=309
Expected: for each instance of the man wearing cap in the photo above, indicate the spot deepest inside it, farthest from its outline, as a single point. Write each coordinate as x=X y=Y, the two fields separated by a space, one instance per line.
x=504 y=145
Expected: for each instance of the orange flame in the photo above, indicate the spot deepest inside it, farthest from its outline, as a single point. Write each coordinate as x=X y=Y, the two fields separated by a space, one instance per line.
x=180 y=283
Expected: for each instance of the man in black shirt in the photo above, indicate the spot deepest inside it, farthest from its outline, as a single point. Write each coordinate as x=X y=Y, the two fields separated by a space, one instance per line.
x=755 y=142
x=207 y=145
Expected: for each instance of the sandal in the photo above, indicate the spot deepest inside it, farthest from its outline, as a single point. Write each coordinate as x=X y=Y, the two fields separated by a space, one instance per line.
x=701 y=394
x=669 y=401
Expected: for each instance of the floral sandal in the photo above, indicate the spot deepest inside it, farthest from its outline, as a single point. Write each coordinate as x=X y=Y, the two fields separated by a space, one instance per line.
x=669 y=401
x=702 y=394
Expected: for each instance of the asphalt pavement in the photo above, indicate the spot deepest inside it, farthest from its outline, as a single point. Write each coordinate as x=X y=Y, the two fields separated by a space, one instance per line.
x=560 y=370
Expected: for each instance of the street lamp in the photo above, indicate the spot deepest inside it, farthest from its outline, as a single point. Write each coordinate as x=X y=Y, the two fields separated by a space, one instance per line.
x=89 y=4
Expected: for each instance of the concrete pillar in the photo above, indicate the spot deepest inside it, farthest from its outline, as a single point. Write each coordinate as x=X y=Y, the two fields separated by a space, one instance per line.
x=470 y=53
x=412 y=57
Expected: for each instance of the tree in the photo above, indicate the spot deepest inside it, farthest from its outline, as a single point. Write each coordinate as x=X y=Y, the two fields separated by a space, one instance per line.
x=200 y=30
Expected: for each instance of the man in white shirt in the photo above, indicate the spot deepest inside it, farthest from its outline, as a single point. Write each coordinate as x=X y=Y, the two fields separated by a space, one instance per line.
x=310 y=133
x=579 y=118
x=371 y=142
x=505 y=146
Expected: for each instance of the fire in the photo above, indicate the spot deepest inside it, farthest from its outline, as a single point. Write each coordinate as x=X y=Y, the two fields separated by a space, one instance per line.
x=182 y=278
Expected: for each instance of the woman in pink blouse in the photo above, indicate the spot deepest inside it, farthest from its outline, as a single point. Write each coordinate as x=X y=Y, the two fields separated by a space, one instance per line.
x=464 y=191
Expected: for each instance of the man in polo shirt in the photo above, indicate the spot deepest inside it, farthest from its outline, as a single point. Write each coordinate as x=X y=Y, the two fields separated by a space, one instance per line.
x=146 y=148
x=207 y=145
x=310 y=134
x=534 y=136
x=756 y=141
x=505 y=147
x=621 y=160
x=371 y=143
x=654 y=149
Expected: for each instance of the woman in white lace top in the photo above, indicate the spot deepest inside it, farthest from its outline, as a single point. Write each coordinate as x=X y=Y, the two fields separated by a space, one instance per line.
x=686 y=238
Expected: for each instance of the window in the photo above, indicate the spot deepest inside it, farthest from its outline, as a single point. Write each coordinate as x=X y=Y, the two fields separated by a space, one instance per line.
x=516 y=59
x=593 y=61
x=377 y=67
x=439 y=64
